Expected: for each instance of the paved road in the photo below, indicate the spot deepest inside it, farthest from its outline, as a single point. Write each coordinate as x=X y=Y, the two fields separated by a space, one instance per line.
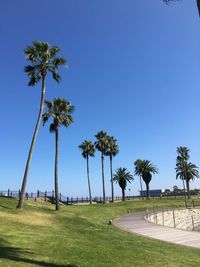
x=135 y=223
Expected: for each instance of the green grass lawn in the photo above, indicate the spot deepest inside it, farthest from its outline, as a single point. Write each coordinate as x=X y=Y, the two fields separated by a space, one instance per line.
x=81 y=236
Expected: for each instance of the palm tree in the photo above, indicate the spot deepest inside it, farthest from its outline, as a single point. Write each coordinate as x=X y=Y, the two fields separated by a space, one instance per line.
x=101 y=144
x=122 y=176
x=146 y=169
x=183 y=157
x=184 y=170
x=42 y=58
x=112 y=151
x=138 y=171
x=197 y=1
x=60 y=111
x=88 y=149
x=190 y=170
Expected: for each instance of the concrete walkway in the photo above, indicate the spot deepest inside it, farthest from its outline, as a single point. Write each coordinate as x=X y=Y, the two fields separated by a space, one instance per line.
x=135 y=223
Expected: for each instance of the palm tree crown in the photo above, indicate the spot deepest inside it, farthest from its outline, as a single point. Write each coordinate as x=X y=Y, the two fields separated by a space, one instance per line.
x=189 y=169
x=60 y=111
x=101 y=143
x=122 y=176
x=87 y=148
x=43 y=59
x=112 y=146
x=138 y=167
x=183 y=153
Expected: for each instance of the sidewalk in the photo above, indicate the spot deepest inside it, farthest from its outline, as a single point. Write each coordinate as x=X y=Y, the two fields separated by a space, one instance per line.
x=135 y=223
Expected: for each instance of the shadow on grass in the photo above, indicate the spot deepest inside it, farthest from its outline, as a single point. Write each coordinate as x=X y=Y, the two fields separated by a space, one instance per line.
x=5 y=207
x=15 y=254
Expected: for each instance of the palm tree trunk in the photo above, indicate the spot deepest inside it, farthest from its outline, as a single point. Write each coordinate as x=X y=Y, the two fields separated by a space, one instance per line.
x=111 y=178
x=24 y=182
x=185 y=174
x=56 y=172
x=141 y=185
x=123 y=194
x=188 y=187
x=148 y=192
x=88 y=176
x=184 y=193
x=198 y=5
x=103 y=181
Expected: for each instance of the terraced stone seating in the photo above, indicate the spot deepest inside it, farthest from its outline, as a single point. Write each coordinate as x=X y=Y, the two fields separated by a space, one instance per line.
x=185 y=219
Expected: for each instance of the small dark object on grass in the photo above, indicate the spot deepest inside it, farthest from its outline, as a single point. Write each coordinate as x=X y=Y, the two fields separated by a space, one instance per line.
x=110 y=222
x=128 y=211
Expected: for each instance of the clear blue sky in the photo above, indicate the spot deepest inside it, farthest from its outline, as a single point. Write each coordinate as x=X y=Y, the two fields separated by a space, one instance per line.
x=134 y=71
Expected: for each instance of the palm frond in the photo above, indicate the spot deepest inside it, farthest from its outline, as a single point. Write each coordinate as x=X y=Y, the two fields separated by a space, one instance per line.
x=54 y=50
x=56 y=76
x=58 y=62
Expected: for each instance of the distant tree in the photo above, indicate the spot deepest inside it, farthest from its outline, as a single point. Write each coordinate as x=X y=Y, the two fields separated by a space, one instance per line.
x=197 y=1
x=145 y=169
x=112 y=151
x=42 y=58
x=88 y=150
x=167 y=191
x=101 y=145
x=59 y=111
x=175 y=188
x=122 y=176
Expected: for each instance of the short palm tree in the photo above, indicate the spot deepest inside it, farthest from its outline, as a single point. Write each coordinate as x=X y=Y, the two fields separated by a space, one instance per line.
x=59 y=111
x=101 y=144
x=138 y=171
x=146 y=169
x=187 y=171
x=88 y=150
x=43 y=59
x=122 y=176
x=112 y=151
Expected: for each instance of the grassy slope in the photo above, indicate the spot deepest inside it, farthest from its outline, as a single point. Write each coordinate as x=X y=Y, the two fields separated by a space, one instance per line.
x=80 y=236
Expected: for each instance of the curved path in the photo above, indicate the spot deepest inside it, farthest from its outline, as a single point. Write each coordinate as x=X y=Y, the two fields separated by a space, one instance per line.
x=135 y=223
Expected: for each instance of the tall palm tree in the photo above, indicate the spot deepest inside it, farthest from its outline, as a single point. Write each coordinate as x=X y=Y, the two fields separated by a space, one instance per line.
x=43 y=59
x=184 y=170
x=183 y=157
x=59 y=111
x=197 y=1
x=122 y=176
x=190 y=170
x=112 y=151
x=101 y=144
x=146 y=169
x=88 y=150
x=138 y=171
